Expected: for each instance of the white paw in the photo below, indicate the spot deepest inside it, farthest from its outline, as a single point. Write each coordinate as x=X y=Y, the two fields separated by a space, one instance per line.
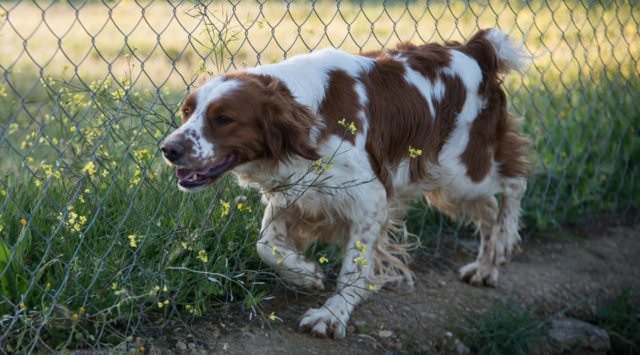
x=480 y=274
x=322 y=323
x=507 y=243
x=311 y=277
x=313 y=281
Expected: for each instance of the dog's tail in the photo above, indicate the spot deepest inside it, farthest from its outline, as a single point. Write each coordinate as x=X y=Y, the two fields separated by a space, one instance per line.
x=496 y=52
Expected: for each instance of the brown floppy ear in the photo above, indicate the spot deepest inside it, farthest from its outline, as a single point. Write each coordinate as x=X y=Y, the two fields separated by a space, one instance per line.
x=286 y=125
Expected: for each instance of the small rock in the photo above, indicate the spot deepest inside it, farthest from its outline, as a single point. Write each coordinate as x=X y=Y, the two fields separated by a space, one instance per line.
x=460 y=347
x=448 y=334
x=181 y=346
x=568 y=334
x=385 y=333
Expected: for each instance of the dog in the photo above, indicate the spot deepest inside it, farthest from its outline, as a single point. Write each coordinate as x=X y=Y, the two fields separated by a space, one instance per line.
x=340 y=144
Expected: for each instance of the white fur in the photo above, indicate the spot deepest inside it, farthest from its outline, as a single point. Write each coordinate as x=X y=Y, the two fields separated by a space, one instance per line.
x=511 y=55
x=307 y=75
x=193 y=128
x=423 y=85
x=450 y=171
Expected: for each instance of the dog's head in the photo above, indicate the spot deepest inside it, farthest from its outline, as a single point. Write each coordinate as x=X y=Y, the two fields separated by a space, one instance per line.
x=233 y=120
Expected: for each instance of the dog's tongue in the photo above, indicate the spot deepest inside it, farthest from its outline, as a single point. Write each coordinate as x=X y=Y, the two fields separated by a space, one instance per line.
x=183 y=174
x=208 y=171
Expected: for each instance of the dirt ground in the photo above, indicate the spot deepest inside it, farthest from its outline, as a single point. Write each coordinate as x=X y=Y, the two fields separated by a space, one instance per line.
x=564 y=270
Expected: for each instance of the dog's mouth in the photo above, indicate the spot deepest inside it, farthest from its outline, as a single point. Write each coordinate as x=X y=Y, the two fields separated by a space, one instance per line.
x=192 y=178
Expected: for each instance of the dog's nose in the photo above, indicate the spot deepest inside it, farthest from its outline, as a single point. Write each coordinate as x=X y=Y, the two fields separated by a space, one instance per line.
x=172 y=150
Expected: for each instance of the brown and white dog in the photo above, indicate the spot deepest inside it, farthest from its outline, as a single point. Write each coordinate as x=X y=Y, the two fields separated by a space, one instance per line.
x=339 y=144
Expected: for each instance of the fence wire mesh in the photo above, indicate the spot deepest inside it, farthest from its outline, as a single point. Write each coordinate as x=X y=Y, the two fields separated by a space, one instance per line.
x=98 y=244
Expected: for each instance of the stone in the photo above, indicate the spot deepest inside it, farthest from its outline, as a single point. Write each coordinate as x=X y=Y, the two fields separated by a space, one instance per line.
x=568 y=334
x=385 y=333
x=181 y=346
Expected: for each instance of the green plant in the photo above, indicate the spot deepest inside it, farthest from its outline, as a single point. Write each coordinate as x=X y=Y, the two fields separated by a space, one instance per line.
x=503 y=329
x=620 y=317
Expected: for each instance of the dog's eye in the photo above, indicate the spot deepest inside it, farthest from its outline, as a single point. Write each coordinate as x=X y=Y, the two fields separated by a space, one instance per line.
x=223 y=120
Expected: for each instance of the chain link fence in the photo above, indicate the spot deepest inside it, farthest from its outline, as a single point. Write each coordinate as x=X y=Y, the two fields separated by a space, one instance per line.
x=97 y=243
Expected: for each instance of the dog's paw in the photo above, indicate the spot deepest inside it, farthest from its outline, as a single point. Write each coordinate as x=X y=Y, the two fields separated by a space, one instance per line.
x=479 y=274
x=314 y=281
x=323 y=323
x=311 y=277
x=304 y=274
x=505 y=252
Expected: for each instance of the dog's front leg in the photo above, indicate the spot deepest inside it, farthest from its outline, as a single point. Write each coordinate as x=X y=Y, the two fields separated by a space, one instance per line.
x=354 y=281
x=278 y=250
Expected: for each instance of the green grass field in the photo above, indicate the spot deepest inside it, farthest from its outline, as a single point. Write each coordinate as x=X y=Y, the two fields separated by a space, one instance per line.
x=97 y=242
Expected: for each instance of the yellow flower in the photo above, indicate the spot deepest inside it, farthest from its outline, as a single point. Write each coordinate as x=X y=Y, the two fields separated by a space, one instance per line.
x=414 y=152
x=242 y=207
x=373 y=287
x=272 y=316
x=320 y=166
x=361 y=247
x=133 y=242
x=23 y=221
x=22 y=305
x=75 y=316
x=226 y=206
x=89 y=168
x=360 y=261
x=142 y=155
x=349 y=126
x=323 y=260
x=274 y=250
x=202 y=256
x=82 y=311
x=13 y=128
x=279 y=261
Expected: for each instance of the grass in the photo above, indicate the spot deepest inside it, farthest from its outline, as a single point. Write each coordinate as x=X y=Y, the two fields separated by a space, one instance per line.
x=620 y=317
x=504 y=329
x=98 y=244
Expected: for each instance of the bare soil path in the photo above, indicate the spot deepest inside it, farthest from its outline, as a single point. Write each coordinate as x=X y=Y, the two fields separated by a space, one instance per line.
x=562 y=270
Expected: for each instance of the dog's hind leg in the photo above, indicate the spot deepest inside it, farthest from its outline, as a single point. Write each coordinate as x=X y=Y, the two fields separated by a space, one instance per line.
x=279 y=251
x=503 y=240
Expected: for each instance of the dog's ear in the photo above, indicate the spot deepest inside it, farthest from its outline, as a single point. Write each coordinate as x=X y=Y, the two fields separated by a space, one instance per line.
x=286 y=124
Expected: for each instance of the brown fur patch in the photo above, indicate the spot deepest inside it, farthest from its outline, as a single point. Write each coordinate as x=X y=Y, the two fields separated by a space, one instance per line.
x=493 y=132
x=399 y=115
x=341 y=101
x=511 y=153
x=265 y=121
x=427 y=59
x=447 y=110
x=188 y=106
